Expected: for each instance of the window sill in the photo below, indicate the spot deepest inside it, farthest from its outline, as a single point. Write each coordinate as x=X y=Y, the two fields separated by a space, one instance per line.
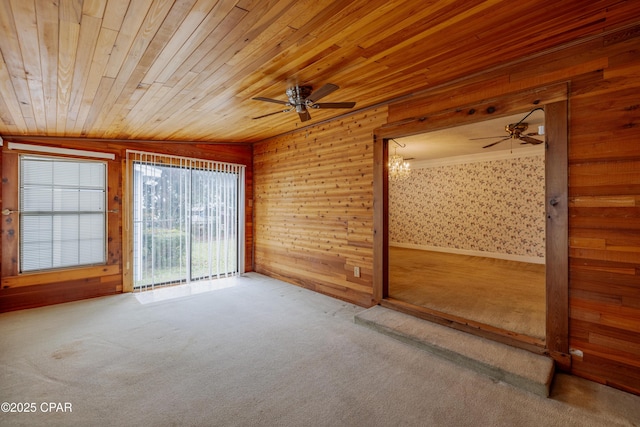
x=56 y=276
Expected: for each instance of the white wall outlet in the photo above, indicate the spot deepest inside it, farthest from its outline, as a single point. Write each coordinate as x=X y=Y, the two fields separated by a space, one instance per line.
x=356 y=271
x=576 y=353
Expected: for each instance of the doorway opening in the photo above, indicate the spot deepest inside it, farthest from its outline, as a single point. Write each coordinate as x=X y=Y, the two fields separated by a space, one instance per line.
x=187 y=219
x=467 y=224
x=554 y=341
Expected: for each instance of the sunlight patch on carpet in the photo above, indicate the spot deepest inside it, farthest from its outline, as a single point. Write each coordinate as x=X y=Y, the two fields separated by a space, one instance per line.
x=179 y=291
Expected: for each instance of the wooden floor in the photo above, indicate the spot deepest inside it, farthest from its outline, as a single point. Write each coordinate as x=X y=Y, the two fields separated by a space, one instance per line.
x=505 y=294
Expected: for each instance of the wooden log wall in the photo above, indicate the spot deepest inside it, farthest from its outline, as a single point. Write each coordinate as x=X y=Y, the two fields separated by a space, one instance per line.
x=314 y=206
x=305 y=183
x=20 y=291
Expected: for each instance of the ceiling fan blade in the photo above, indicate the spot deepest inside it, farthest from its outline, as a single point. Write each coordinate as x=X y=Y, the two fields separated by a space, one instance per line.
x=486 y=137
x=322 y=92
x=275 y=101
x=529 y=140
x=334 y=105
x=270 y=114
x=497 y=142
x=304 y=115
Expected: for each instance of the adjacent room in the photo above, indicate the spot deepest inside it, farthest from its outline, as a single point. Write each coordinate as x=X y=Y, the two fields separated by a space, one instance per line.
x=467 y=222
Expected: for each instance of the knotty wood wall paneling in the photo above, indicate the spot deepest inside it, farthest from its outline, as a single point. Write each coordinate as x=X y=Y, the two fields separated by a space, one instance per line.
x=314 y=206
x=604 y=221
x=300 y=235
x=9 y=232
x=20 y=291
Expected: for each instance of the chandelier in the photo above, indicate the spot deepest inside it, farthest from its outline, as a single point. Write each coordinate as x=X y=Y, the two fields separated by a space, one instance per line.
x=398 y=168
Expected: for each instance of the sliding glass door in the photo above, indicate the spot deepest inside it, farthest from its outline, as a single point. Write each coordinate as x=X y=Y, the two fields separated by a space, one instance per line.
x=187 y=219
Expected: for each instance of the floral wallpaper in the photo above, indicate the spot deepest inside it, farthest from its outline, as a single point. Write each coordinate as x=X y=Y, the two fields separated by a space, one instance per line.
x=491 y=206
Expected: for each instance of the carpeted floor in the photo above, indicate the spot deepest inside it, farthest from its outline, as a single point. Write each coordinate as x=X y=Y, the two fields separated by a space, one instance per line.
x=258 y=352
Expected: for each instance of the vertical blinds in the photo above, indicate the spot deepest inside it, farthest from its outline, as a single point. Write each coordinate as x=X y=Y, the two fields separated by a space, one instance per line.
x=62 y=219
x=187 y=219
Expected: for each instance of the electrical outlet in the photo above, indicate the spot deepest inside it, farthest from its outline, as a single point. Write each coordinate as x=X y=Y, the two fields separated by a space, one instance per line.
x=356 y=271
x=576 y=353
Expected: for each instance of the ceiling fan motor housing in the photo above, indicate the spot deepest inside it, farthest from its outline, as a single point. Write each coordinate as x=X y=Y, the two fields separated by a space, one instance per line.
x=297 y=96
x=515 y=129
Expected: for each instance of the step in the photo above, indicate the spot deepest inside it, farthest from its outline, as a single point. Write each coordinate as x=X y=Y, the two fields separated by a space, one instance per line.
x=520 y=368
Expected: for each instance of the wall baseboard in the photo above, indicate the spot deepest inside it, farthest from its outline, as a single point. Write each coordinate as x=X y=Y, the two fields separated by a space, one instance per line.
x=509 y=257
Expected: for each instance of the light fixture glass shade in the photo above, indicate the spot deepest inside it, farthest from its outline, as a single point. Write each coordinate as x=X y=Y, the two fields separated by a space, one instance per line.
x=398 y=168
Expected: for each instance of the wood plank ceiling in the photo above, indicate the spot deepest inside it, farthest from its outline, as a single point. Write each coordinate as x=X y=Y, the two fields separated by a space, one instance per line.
x=186 y=70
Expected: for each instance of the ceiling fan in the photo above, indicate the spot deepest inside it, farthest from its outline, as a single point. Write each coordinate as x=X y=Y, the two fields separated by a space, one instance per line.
x=301 y=98
x=515 y=131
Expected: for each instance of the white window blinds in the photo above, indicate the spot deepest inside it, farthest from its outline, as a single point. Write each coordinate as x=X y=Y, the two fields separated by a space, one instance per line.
x=188 y=219
x=62 y=213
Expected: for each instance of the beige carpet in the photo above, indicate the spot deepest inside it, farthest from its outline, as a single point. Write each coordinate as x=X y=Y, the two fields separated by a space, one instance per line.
x=258 y=353
x=501 y=293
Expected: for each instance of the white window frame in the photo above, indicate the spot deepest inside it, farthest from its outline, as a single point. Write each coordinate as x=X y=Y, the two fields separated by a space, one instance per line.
x=52 y=213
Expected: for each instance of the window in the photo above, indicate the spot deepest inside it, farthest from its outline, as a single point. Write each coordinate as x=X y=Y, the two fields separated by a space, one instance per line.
x=187 y=219
x=63 y=218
